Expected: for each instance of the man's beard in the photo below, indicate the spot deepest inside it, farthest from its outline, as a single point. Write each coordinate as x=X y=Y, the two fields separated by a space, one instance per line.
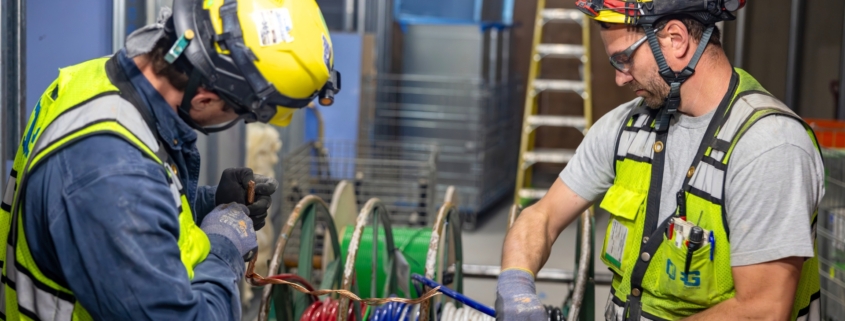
x=656 y=90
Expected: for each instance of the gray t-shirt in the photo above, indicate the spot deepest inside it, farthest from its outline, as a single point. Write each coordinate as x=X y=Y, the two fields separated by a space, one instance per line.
x=774 y=181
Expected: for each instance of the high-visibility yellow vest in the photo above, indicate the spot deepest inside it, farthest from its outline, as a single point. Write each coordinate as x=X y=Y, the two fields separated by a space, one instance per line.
x=649 y=280
x=91 y=98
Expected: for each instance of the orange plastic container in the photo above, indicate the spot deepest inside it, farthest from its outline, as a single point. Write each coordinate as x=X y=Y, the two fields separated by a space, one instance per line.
x=830 y=133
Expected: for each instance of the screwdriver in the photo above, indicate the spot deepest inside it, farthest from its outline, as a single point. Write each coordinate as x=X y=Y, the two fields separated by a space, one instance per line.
x=696 y=237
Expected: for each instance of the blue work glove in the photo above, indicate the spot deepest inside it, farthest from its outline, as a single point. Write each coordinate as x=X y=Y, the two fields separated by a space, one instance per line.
x=231 y=221
x=516 y=297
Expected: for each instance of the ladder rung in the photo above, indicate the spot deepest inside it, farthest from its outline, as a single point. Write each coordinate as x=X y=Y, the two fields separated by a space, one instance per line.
x=557 y=121
x=558 y=85
x=563 y=15
x=560 y=50
x=532 y=193
x=559 y=156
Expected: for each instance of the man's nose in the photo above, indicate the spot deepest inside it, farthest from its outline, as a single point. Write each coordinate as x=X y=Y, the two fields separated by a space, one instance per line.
x=623 y=78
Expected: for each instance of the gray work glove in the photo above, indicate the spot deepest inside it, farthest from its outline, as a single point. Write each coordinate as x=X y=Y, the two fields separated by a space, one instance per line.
x=231 y=222
x=516 y=297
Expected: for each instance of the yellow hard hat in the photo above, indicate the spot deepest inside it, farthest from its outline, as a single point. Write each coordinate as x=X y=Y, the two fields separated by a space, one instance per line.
x=647 y=12
x=266 y=58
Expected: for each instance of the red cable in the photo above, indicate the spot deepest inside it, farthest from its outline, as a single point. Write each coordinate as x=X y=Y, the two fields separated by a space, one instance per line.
x=327 y=310
x=307 y=315
x=319 y=310
x=333 y=312
x=324 y=311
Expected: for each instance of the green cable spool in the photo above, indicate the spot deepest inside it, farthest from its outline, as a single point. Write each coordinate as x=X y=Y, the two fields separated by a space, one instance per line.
x=413 y=242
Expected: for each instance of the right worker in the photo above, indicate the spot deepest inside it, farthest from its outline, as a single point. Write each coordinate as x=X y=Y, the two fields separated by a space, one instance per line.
x=712 y=184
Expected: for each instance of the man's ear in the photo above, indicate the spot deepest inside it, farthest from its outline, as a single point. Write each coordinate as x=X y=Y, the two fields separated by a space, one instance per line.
x=203 y=98
x=677 y=39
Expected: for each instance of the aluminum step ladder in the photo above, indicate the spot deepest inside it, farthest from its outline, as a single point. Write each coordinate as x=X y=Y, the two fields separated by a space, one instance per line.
x=528 y=154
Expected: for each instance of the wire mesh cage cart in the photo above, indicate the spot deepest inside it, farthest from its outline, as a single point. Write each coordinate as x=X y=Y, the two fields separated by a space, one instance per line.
x=830 y=232
x=471 y=121
x=402 y=175
x=830 y=225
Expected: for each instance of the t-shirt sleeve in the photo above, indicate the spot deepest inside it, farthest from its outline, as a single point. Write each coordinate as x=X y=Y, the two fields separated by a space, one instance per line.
x=590 y=172
x=774 y=183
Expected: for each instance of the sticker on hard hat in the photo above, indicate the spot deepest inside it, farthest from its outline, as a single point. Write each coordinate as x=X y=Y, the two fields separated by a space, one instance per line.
x=274 y=26
x=327 y=53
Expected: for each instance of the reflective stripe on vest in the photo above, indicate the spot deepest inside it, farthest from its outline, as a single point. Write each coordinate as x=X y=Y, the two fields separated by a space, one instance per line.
x=33 y=301
x=9 y=194
x=649 y=281
x=80 y=103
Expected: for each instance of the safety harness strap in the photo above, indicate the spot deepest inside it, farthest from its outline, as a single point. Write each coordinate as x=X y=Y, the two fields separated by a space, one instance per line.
x=634 y=305
x=718 y=120
x=656 y=186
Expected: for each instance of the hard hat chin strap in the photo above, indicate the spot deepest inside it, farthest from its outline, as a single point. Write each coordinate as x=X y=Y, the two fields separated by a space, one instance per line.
x=184 y=109
x=674 y=79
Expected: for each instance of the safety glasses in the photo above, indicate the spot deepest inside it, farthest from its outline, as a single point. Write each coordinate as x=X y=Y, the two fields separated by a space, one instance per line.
x=622 y=60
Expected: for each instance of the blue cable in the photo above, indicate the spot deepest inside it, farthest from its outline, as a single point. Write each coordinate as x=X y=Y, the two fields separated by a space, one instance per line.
x=392 y=311
x=455 y=295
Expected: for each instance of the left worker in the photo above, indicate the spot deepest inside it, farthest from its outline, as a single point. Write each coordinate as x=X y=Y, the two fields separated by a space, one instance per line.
x=103 y=217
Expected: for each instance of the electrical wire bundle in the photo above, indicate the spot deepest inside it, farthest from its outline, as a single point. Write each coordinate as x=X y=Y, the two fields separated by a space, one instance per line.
x=470 y=311
x=310 y=209
x=395 y=311
x=403 y=312
x=319 y=310
x=325 y=311
x=451 y=313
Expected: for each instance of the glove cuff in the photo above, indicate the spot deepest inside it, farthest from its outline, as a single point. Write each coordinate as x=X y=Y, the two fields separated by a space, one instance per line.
x=223 y=248
x=516 y=281
x=520 y=269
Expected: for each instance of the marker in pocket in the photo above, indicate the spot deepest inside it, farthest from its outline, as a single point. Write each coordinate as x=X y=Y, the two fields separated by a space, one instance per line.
x=696 y=239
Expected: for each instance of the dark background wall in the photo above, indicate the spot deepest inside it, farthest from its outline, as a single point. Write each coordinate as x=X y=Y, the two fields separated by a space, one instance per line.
x=606 y=95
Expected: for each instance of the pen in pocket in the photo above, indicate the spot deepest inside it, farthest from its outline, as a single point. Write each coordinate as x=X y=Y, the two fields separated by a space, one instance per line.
x=712 y=245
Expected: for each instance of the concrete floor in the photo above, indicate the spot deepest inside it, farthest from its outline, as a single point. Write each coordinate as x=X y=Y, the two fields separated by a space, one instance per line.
x=483 y=246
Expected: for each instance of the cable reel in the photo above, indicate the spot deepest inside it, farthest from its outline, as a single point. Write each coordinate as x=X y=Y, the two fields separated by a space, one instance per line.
x=289 y=305
x=378 y=212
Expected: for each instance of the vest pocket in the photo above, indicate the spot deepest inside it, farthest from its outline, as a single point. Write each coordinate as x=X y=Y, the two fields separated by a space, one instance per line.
x=623 y=202
x=622 y=236
x=695 y=288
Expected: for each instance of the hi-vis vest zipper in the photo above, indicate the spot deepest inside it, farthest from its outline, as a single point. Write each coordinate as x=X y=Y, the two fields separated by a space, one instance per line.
x=649 y=279
x=91 y=98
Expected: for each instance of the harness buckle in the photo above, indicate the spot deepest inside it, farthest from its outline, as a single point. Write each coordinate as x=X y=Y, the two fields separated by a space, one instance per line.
x=633 y=309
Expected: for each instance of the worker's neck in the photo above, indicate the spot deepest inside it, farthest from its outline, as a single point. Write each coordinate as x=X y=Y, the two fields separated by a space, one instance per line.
x=172 y=95
x=704 y=91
